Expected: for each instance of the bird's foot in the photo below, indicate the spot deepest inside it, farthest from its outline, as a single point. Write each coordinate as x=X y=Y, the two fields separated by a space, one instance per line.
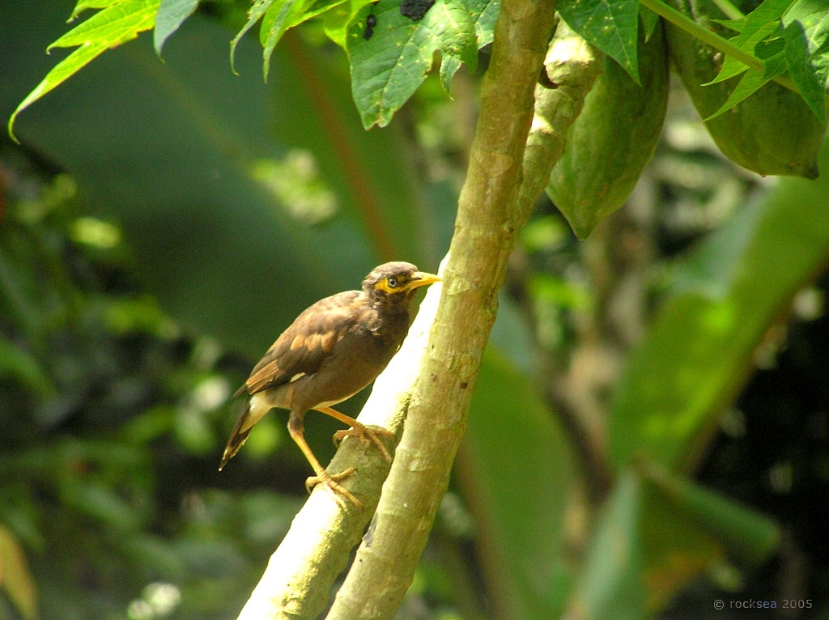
x=331 y=482
x=366 y=434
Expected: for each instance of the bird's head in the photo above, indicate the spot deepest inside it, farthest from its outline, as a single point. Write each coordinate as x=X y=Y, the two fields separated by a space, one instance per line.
x=393 y=284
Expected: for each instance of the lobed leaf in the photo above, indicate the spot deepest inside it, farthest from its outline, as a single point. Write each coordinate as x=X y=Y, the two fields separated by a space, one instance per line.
x=610 y=25
x=810 y=80
x=750 y=83
x=256 y=11
x=387 y=68
x=171 y=14
x=106 y=29
x=483 y=14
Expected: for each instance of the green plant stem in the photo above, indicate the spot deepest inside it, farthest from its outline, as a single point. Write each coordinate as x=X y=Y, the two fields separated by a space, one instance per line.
x=714 y=40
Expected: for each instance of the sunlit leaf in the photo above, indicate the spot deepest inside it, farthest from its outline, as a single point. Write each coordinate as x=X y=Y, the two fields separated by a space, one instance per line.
x=106 y=29
x=171 y=14
x=255 y=13
x=610 y=25
x=387 y=68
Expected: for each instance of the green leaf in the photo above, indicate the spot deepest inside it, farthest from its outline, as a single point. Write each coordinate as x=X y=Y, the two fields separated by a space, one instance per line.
x=255 y=12
x=285 y=14
x=746 y=40
x=280 y=16
x=806 y=29
x=171 y=14
x=277 y=17
x=109 y=28
x=388 y=68
x=749 y=84
x=773 y=54
x=755 y=28
x=810 y=81
x=649 y=21
x=745 y=535
x=83 y=5
x=610 y=25
x=483 y=13
x=699 y=349
x=337 y=20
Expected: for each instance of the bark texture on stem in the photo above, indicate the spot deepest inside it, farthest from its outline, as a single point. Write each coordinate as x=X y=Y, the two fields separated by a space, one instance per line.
x=489 y=218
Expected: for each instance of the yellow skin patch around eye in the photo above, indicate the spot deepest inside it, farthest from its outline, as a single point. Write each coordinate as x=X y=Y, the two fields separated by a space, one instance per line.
x=384 y=286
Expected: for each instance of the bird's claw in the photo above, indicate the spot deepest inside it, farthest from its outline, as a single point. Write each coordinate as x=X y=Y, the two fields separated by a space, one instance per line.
x=365 y=433
x=331 y=482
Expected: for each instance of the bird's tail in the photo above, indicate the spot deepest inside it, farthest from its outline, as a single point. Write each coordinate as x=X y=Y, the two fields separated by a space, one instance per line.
x=238 y=436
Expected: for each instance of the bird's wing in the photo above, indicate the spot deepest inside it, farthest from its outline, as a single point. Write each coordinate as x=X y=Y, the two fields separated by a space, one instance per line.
x=302 y=348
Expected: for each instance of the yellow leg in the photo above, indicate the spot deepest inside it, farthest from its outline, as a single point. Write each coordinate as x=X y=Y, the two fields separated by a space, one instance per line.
x=296 y=429
x=357 y=430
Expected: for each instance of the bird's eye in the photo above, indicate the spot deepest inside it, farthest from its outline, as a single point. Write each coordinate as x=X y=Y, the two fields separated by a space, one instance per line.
x=392 y=282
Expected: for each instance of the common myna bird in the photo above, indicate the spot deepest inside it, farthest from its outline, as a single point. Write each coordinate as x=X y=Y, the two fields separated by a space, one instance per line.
x=332 y=350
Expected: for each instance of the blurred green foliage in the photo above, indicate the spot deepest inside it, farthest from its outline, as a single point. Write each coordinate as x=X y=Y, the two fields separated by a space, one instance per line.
x=163 y=222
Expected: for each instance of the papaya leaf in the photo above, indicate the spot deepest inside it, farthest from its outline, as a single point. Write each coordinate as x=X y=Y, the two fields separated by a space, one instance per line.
x=392 y=63
x=483 y=13
x=280 y=16
x=806 y=29
x=749 y=84
x=522 y=514
x=810 y=80
x=256 y=11
x=649 y=21
x=610 y=25
x=747 y=40
x=285 y=14
x=110 y=27
x=755 y=28
x=171 y=15
x=657 y=533
x=338 y=18
x=83 y=5
x=773 y=54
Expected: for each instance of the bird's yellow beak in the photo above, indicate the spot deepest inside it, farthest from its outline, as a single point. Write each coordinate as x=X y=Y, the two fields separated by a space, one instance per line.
x=421 y=278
